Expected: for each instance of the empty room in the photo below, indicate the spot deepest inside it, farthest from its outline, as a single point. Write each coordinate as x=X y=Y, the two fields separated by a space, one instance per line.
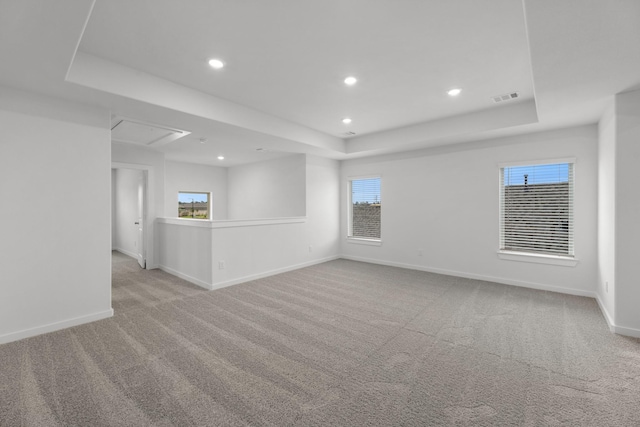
x=319 y=213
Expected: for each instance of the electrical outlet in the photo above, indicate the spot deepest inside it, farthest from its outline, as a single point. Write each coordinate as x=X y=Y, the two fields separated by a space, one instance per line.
x=221 y=265
x=310 y=248
x=606 y=286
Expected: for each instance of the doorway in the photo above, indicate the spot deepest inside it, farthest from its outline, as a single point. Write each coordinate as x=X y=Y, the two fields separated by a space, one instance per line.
x=129 y=212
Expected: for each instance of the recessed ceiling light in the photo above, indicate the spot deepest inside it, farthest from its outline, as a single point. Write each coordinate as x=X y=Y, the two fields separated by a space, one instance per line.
x=216 y=63
x=220 y=157
x=346 y=120
x=454 y=92
x=350 y=81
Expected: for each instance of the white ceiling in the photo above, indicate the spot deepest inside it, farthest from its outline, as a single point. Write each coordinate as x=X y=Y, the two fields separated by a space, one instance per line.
x=289 y=58
x=282 y=89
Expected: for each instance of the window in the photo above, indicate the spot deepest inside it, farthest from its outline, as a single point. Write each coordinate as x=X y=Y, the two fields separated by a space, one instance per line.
x=194 y=205
x=536 y=209
x=364 y=208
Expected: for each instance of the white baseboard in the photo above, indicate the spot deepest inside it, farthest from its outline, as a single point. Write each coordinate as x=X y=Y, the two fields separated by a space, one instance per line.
x=630 y=332
x=612 y=327
x=201 y=283
x=605 y=313
x=272 y=272
x=127 y=253
x=519 y=283
x=620 y=330
x=51 y=327
x=220 y=285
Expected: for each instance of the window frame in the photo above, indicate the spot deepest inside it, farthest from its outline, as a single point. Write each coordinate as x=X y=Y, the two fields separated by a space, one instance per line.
x=568 y=260
x=209 y=205
x=361 y=239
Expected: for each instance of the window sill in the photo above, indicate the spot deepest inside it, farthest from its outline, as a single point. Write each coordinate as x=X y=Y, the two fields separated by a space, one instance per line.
x=363 y=241
x=538 y=258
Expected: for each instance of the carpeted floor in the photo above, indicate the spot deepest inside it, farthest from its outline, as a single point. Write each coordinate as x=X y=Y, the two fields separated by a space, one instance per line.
x=341 y=343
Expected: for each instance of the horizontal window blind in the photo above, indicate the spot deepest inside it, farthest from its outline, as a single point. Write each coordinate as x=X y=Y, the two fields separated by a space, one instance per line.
x=365 y=208
x=536 y=208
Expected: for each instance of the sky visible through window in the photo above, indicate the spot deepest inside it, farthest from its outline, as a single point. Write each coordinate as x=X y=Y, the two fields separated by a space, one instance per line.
x=192 y=197
x=365 y=190
x=537 y=174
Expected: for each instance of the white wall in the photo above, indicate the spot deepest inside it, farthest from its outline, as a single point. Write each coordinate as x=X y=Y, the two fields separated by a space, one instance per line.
x=607 y=213
x=198 y=178
x=113 y=209
x=627 y=213
x=125 y=204
x=251 y=249
x=444 y=201
x=55 y=224
x=323 y=206
x=185 y=250
x=137 y=156
x=270 y=189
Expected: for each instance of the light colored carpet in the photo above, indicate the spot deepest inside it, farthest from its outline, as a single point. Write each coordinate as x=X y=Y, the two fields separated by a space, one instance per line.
x=341 y=343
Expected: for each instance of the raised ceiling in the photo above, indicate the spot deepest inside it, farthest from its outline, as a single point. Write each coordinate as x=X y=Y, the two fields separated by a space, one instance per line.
x=282 y=87
x=289 y=58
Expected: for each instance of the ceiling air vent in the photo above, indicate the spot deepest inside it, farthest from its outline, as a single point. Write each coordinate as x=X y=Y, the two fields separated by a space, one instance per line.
x=142 y=133
x=506 y=97
x=349 y=134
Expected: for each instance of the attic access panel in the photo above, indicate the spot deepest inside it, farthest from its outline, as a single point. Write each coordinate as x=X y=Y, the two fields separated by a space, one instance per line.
x=136 y=132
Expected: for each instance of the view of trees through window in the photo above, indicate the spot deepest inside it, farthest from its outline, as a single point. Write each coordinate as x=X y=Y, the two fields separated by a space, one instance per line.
x=365 y=208
x=193 y=205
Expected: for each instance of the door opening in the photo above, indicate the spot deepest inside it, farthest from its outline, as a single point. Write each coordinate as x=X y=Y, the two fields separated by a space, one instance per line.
x=142 y=179
x=129 y=213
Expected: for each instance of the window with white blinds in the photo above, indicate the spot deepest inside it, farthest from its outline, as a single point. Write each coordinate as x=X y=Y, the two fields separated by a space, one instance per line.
x=364 y=208
x=536 y=209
